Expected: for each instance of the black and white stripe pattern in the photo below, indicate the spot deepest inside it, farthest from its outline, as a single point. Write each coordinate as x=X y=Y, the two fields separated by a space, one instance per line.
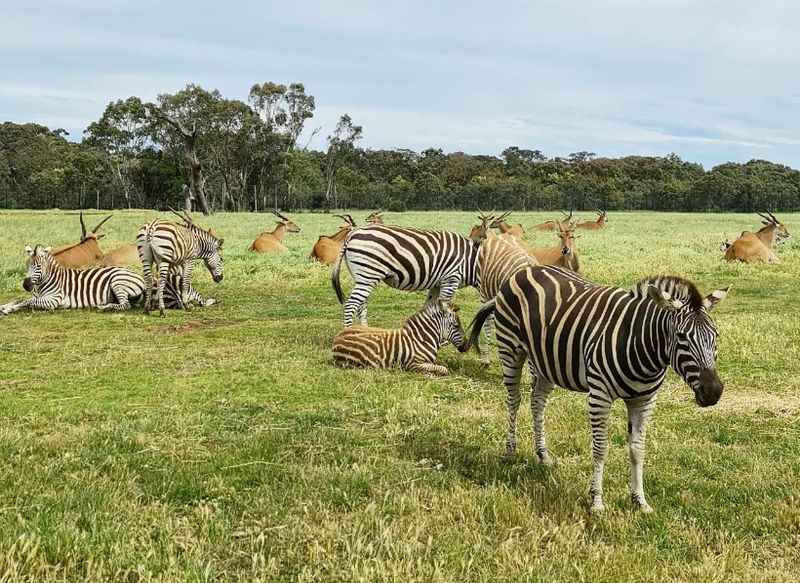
x=406 y=259
x=413 y=347
x=53 y=286
x=172 y=294
x=608 y=342
x=175 y=247
x=498 y=260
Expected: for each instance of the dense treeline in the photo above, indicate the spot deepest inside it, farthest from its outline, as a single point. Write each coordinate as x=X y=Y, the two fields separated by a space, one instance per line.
x=223 y=154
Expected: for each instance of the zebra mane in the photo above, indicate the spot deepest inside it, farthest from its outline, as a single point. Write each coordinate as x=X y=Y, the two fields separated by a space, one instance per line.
x=678 y=288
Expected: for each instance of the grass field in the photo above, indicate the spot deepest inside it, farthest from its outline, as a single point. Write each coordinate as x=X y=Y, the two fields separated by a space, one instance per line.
x=223 y=444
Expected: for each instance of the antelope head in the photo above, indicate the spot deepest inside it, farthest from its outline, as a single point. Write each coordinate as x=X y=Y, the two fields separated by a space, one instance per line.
x=288 y=223
x=375 y=218
x=478 y=232
x=770 y=221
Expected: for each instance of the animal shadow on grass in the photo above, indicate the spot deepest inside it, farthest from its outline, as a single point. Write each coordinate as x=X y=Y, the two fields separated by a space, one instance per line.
x=485 y=467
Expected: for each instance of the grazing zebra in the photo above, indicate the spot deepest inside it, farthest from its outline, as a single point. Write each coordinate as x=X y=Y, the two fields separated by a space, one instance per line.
x=607 y=342
x=498 y=260
x=53 y=286
x=406 y=259
x=413 y=347
x=176 y=247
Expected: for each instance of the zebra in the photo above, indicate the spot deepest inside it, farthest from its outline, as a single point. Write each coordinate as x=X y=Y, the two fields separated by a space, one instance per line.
x=406 y=259
x=498 y=260
x=53 y=286
x=413 y=347
x=172 y=294
x=176 y=247
x=607 y=342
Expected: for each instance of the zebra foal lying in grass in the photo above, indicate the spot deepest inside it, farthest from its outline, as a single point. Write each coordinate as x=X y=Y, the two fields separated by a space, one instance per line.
x=607 y=342
x=413 y=347
x=53 y=286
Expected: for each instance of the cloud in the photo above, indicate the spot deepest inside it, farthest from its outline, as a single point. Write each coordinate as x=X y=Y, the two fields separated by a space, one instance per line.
x=712 y=81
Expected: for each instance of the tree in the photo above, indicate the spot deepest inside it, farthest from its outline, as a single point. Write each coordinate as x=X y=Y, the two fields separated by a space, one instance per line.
x=340 y=146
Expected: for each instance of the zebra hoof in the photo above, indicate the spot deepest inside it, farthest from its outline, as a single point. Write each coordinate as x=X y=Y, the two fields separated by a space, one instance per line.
x=597 y=505
x=484 y=363
x=162 y=313
x=546 y=459
x=641 y=504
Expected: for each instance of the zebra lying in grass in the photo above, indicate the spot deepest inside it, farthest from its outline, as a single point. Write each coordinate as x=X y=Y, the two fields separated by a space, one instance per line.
x=413 y=347
x=607 y=342
x=53 y=286
x=105 y=288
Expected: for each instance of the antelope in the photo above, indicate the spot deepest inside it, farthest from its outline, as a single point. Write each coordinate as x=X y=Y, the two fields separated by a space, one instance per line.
x=554 y=225
x=122 y=256
x=754 y=247
x=327 y=248
x=563 y=255
x=602 y=219
x=270 y=242
x=84 y=253
x=500 y=223
x=375 y=218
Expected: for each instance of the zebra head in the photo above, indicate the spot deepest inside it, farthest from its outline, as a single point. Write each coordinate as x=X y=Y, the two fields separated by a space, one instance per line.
x=210 y=251
x=40 y=263
x=445 y=314
x=693 y=340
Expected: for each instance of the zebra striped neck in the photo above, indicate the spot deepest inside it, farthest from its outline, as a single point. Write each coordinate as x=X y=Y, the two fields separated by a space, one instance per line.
x=470 y=268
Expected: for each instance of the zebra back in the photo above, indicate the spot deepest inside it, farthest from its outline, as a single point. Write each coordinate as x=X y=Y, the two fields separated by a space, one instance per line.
x=410 y=259
x=497 y=261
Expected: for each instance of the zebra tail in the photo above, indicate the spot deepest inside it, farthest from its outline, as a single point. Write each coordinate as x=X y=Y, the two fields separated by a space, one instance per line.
x=477 y=324
x=335 y=281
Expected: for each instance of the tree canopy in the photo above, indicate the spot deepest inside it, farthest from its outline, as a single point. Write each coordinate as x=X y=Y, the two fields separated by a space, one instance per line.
x=236 y=155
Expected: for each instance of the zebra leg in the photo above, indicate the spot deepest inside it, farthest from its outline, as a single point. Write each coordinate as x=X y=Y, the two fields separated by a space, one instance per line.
x=639 y=411
x=186 y=284
x=539 y=393
x=48 y=302
x=599 y=408
x=512 y=372
x=429 y=368
x=147 y=271
x=357 y=303
x=123 y=304
x=488 y=336
x=163 y=274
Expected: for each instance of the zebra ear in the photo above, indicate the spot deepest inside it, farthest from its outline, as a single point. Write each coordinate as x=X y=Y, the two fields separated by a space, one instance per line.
x=28 y=249
x=663 y=299
x=711 y=300
x=221 y=241
x=45 y=250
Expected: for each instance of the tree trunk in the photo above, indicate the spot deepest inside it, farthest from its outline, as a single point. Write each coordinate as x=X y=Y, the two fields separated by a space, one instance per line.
x=187 y=198
x=196 y=179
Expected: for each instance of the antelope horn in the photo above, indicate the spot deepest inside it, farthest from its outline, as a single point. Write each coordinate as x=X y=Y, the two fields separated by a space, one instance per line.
x=773 y=217
x=83 y=227
x=100 y=224
x=177 y=214
x=503 y=216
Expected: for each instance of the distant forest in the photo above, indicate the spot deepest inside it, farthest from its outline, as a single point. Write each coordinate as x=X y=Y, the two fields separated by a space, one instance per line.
x=197 y=148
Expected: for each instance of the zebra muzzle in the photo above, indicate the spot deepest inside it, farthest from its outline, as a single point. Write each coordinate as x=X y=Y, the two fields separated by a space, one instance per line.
x=27 y=284
x=709 y=388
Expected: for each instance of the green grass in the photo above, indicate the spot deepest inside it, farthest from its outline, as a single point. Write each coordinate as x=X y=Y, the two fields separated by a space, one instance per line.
x=223 y=444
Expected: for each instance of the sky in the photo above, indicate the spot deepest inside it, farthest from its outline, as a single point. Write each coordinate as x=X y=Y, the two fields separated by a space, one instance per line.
x=712 y=80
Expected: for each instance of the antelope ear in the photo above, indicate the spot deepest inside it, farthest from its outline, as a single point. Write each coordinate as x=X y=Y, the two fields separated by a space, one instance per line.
x=45 y=250
x=711 y=300
x=28 y=249
x=663 y=299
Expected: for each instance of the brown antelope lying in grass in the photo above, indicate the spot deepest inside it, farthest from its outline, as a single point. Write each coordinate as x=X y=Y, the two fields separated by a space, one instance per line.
x=554 y=225
x=758 y=247
x=270 y=242
x=413 y=347
x=327 y=248
x=563 y=255
x=602 y=219
x=87 y=252
x=375 y=218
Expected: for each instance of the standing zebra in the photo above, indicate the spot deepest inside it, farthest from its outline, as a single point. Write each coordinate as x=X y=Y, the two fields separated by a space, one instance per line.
x=498 y=260
x=406 y=259
x=413 y=347
x=176 y=247
x=53 y=286
x=607 y=342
